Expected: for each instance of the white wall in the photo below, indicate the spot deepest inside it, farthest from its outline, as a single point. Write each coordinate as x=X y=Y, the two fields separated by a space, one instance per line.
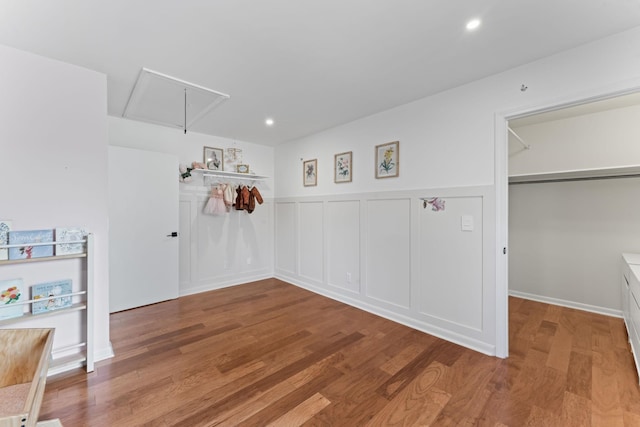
x=590 y=141
x=449 y=140
x=53 y=145
x=214 y=251
x=567 y=239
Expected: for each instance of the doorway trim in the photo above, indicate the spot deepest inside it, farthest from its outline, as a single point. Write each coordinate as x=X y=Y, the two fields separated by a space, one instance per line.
x=501 y=182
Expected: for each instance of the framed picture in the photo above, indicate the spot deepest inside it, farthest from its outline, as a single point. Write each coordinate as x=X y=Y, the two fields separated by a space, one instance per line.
x=242 y=168
x=387 y=160
x=213 y=158
x=310 y=172
x=343 y=167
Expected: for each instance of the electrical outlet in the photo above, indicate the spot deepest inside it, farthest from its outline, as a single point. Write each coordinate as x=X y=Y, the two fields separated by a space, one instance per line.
x=249 y=260
x=348 y=277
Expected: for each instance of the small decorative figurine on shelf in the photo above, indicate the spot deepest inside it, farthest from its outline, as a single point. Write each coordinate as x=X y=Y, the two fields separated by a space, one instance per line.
x=185 y=173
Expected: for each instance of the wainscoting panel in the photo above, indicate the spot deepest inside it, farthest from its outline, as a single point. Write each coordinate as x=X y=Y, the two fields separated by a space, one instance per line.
x=223 y=250
x=184 y=244
x=311 y=242
x=388 y=251
x=285 y=228
x=343 y=244
x=451 y=244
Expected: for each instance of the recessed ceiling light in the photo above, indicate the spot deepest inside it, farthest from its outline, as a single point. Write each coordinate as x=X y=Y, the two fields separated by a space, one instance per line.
x=269 y=122
x=473 y=24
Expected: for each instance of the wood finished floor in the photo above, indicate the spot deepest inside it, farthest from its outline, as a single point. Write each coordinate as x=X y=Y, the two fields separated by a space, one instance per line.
x=269 y=353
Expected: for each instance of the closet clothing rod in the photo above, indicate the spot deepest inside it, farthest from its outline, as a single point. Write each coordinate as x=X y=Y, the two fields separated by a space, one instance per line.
x=582 y=178
x=526 y=146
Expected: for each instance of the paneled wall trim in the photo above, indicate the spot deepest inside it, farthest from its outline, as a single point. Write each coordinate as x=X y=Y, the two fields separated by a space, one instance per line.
x=398 y=255
x=221 y=251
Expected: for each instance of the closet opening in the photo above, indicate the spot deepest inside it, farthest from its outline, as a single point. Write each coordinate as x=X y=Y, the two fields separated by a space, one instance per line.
x=569 y=202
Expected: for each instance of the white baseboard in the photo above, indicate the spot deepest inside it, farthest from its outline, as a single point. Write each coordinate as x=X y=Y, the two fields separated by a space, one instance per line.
x=417 y=324
x=212 y=286
x=100 y=354
x=570 y=304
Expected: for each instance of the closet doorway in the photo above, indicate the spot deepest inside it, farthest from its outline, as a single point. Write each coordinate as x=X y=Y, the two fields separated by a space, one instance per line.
x=574 y=198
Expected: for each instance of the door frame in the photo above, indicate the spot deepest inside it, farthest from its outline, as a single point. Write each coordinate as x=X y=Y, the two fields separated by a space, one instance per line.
x=501 y=181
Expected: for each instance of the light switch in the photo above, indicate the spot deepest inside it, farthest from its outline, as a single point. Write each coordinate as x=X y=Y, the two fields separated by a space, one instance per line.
x=466 y=223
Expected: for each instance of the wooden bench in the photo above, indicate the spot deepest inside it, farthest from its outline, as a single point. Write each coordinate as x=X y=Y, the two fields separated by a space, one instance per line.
x=24 y=361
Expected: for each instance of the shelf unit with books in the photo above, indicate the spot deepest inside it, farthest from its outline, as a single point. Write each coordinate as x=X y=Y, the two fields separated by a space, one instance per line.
x=85 y=303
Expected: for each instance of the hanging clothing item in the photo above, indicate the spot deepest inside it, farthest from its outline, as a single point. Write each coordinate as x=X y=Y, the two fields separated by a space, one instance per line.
x=239 y=205
x=215 y=205
x=227 y=196
x=242 y=201
x=254 y=195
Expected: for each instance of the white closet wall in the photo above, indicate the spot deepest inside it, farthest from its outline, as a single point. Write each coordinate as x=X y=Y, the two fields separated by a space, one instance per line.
x=566 y=240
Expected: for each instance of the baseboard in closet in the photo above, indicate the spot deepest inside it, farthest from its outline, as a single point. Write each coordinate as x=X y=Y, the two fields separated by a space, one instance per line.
x=570 y=304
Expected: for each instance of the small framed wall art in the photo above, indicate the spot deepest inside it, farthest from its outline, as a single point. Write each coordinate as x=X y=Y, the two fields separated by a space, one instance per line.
x=387 y=160
x=343 y=167
x=242 y=168
x=213 y=158
x=310 y=173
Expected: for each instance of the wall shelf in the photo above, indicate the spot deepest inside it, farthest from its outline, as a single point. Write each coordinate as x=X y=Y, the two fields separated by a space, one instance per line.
x=231 y=175
x=46 y=258
x=576 y=175
x=85 y=304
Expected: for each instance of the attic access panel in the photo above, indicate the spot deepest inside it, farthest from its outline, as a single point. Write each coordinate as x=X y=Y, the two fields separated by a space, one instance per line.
x=160 y=99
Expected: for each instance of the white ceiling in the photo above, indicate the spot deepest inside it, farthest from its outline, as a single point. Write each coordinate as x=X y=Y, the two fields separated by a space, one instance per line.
x=310 y=65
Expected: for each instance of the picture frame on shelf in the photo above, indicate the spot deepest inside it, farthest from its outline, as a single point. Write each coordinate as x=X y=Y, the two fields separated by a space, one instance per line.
x=59 y=289
x=69 y=234
x=388 y=160
x=10 y=293
x=28 y=237
x=242 y=168
x=310 y=173
x=343 y=167
x=5 y=227
x=213 y=158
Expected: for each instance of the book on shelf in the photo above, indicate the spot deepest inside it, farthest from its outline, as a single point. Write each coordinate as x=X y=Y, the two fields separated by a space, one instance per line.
x=28 y=237
x=69 y=234
x=5 y=226
x=10 y=293
x=59 y=289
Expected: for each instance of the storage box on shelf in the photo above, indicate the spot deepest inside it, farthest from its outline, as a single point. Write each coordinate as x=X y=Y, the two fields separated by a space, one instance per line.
x=84 y=302
x=631 y=302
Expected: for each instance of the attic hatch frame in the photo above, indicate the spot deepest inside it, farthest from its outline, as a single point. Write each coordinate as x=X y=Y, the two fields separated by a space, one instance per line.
x=147 y=77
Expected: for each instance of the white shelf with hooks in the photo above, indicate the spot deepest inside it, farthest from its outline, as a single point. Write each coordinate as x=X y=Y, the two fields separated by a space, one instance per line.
x=231 y=175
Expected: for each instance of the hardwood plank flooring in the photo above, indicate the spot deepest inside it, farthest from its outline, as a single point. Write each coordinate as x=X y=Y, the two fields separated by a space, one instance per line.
x=270 y=353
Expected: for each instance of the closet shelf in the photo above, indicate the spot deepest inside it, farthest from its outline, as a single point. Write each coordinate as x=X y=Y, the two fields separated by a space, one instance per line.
x=576 y=175
x=232 y=175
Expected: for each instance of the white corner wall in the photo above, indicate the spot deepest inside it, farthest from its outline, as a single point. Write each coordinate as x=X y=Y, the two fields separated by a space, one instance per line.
x=215 y=251
x=53 y=145
x=449 y=141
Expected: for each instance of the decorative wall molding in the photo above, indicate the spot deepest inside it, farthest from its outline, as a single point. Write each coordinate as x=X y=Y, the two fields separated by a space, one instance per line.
x=379 y=252
x=222 y=251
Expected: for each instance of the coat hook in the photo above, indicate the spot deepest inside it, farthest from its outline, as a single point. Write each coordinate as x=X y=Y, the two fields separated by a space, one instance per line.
x=523 y=88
